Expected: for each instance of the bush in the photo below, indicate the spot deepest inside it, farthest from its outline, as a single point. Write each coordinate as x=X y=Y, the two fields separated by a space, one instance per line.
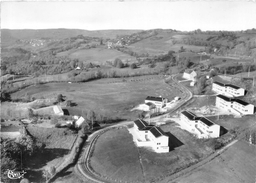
x=133 y=66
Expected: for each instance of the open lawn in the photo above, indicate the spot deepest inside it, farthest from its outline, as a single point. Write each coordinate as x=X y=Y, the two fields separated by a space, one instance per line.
x=236 y=165
x=112 y=97
x=110 y=159
x=96 y=55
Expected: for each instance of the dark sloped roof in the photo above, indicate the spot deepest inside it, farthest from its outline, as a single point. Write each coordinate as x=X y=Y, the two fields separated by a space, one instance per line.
x=219 y=83
x=156 y=131
x=206 y=121
x=241 y=102
x=233 y=86
x=225 y=98
x=154 y=98
x=189 y=115
x=140 y=123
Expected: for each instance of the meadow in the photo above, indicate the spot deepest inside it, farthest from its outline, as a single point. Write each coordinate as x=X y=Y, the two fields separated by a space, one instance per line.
x=161 y=44
x=111 y=160
x=96 y=55
x=111 y=97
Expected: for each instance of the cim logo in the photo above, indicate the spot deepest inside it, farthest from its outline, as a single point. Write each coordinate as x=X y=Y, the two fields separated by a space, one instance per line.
x=11 y=174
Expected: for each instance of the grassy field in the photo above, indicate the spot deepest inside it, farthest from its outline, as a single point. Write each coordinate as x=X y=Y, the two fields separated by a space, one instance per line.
x=96 y=55
x=111 y=160
x=236 y=165
x=115 y=97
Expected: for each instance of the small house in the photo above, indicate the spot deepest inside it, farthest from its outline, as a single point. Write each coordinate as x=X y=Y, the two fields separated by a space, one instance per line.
x=189 y=75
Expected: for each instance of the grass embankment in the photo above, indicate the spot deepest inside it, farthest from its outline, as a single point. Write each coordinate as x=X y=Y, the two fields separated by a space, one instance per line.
x=110 y=158
x=110 y=97
x=236 y=164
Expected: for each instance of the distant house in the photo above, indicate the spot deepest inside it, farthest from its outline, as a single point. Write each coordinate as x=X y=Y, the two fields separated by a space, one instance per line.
x=235 y=106
x=206 y=127
x=228 y=89
x=58 y=110
x=157 y=101
x=149 y=135
x=79 y=122
x=190 y=75
x=11 y=131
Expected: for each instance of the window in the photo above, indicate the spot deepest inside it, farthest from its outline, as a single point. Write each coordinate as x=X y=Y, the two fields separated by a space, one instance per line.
x=158 y=143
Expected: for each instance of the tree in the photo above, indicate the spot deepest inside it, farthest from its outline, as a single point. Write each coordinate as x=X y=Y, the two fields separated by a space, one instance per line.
x=91 y=117
x=60 y=98
x=133 y=66
x=5 y=96
x=118 y=63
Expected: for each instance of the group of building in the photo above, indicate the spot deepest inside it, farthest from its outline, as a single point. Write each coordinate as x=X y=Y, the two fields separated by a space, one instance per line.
x=226 y=99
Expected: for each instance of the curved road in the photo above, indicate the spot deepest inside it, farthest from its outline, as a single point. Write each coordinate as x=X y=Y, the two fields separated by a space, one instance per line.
x=83 y=163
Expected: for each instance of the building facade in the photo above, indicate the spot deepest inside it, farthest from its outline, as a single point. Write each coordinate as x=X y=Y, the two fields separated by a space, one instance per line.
x=235 y=106
x=228 y=90
x=206 y=127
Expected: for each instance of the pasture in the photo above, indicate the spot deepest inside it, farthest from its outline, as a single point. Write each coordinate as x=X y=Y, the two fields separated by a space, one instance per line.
x=111 y=161
x=111 y=97
x=96 y=55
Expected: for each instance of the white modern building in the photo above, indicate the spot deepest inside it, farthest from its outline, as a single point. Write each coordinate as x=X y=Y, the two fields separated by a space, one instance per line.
x=190 y=75
x=235 y=106
x=243 y=107
x=206 y=127
x=152 y=136
x=228 y=90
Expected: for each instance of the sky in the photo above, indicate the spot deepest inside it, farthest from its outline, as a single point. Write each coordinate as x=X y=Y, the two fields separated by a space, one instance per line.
x=181 y=15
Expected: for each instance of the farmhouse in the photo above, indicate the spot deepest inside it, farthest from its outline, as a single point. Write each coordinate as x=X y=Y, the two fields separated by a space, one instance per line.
x=152 y=136
x=190 y=75
x=157 y=101
x=228 y=89
x=58 y=110
x=235 y=106
x=10 y=131
x=79 y=122
x=206 y=127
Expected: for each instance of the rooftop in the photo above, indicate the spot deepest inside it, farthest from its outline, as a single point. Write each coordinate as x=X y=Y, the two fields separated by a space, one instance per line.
x=241 y=102
x=189 y=115
x=233 y=86
x=141 y=124
x=206 y=121
x=154 y=98
x=225 y=98
x=156 y=131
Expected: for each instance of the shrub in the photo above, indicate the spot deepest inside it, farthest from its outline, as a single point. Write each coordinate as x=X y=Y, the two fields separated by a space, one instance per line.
x=133 y=66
